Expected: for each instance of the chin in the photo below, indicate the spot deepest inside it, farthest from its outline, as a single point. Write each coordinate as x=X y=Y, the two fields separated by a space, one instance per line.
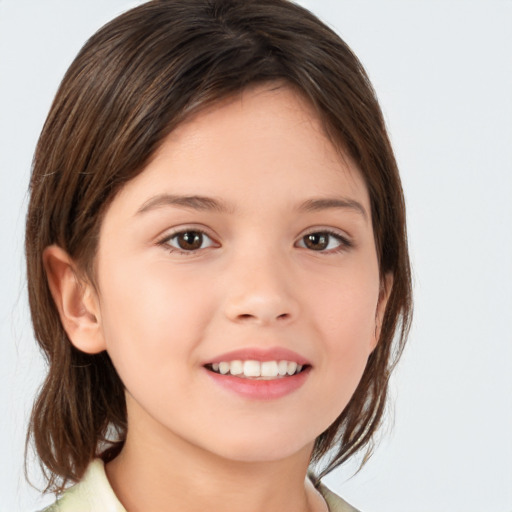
x=268 y=449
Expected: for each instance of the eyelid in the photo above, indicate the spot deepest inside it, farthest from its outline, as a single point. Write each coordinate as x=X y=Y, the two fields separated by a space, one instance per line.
x=345 y=241
x=164 y=239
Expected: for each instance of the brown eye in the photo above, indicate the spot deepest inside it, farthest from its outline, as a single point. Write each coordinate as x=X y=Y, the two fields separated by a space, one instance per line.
x=324 y=241
x=316 y=241
x=189 y=241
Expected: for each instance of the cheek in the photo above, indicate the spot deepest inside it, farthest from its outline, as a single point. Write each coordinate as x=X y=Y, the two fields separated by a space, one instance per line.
x=346 y=306
x=150 y=315
x=345 y=312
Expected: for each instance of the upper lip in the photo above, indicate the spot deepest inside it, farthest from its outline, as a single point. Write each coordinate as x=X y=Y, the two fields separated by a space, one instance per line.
x=260 y=354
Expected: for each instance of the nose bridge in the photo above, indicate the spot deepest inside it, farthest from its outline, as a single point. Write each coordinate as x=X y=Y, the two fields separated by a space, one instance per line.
x=260 y=288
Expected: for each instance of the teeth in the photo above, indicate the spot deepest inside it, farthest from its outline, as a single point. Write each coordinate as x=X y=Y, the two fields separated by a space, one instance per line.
x=282 y=367
x=292 y=367
x=252 y=368
x=236 y=367
x=223 y=368
x=257 y=369
x=269 y=369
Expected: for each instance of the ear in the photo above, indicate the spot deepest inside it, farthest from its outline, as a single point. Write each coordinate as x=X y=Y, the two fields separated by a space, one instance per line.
x=386 y=286
x=76 y=301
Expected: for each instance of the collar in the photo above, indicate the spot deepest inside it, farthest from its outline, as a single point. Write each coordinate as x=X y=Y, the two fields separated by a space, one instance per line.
x=94 y=493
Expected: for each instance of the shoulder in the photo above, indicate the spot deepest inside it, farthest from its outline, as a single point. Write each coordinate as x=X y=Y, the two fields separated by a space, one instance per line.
x=334 y=502
x=91 y=494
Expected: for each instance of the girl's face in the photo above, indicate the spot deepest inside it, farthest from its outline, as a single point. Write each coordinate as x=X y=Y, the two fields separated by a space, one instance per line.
x=246 y=247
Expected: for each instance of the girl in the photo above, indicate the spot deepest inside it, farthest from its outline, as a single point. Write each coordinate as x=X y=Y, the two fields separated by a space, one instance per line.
x=217 y=262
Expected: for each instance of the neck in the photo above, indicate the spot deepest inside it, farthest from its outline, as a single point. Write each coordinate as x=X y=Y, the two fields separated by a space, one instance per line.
x=173 y=475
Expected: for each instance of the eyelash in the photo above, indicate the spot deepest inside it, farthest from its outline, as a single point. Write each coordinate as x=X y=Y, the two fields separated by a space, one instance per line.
x=165 y=241
x=344 y=243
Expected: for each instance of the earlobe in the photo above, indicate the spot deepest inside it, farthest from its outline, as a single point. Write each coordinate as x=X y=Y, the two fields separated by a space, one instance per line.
x=76 y=301
x=384 y=293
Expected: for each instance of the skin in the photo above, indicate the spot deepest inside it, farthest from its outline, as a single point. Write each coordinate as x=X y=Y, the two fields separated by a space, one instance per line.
x=162 y=313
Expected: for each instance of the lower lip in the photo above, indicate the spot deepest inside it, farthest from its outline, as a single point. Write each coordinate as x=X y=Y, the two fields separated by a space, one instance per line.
x=260 y=389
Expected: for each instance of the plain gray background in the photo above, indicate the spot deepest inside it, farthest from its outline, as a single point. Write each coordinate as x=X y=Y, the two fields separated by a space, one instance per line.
x=443 y=73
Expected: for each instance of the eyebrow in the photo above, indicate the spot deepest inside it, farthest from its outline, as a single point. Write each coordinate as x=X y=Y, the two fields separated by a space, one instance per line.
x=315 y=205
x=203 y=203
x=200 y=203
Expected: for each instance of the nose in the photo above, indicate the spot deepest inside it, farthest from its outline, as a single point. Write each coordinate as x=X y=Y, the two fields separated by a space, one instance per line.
x=260 y=291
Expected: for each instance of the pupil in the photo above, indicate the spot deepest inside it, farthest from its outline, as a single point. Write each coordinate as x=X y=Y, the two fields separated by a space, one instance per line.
x=316 y=241
x=190 y=240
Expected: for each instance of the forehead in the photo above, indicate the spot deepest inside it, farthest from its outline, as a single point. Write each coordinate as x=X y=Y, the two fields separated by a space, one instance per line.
x=267 y=142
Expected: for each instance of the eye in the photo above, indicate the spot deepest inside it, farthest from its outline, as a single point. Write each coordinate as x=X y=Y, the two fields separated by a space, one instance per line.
x=188 y=241
x=324 y=241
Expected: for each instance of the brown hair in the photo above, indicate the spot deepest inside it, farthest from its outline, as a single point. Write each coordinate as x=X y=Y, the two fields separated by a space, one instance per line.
x=131 y=84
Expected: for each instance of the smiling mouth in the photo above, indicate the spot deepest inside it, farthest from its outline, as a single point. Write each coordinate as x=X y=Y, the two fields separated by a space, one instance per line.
x=259 y=370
